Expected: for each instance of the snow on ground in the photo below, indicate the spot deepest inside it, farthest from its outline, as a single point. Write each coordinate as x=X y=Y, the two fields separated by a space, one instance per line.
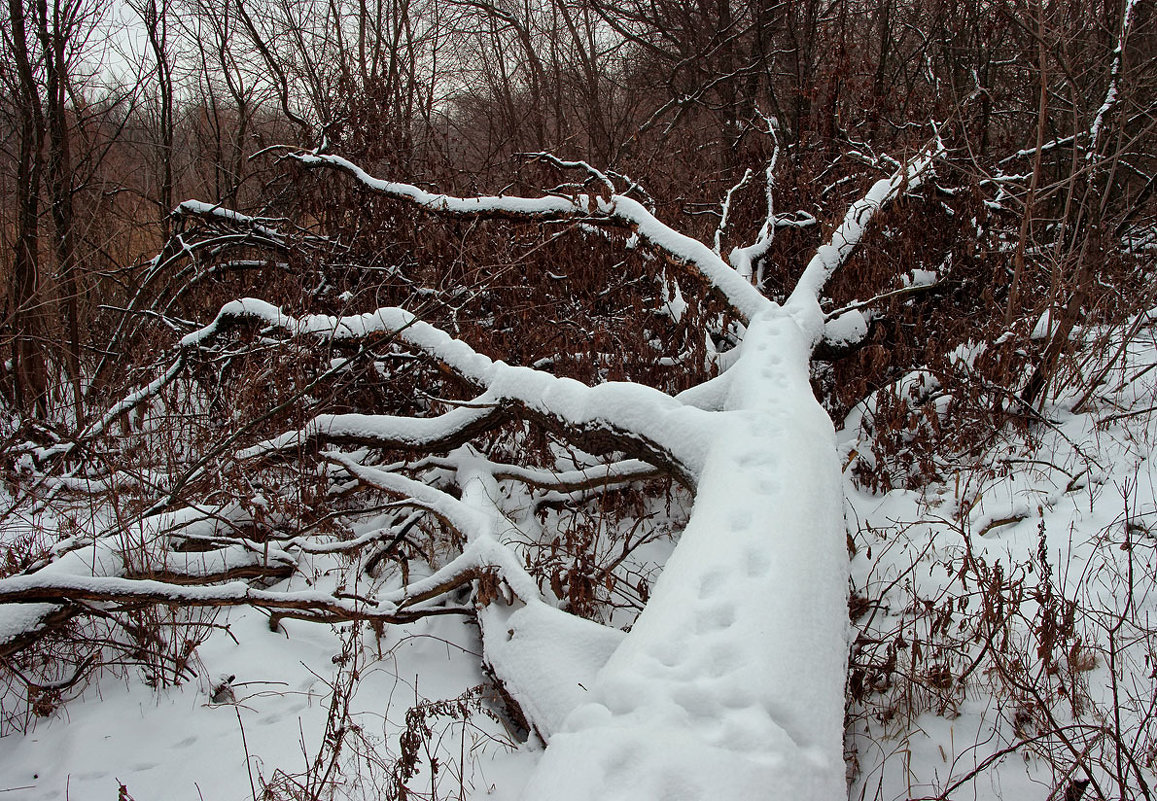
x=1069 y=506
x=203 y=740
x=990 y=598
x=177 y=743
x=253 y=711
x=419 y=693
x=729 y=683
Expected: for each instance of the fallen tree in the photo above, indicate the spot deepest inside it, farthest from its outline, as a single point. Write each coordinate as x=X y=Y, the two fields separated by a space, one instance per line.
x=730 y=683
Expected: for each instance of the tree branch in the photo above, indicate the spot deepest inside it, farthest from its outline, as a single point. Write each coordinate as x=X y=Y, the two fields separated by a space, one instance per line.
x=611 y=209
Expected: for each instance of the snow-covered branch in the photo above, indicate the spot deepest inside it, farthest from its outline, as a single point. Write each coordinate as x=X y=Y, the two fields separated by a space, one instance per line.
x=725 y=210
x=613 y=209
x=57 y=588
x=445 y=507
x=1111 y=94
x=743 y=258
x=571 y=481
x=830 y=256
x=633 y=418
x=218 y=213
x=126 y=404
x=475 y=526
x=440 y=433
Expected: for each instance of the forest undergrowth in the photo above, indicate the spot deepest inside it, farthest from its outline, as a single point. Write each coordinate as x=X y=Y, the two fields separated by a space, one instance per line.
x=1004 y=610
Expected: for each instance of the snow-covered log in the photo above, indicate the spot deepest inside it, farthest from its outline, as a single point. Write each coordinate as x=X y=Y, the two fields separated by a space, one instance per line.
x=730 y=683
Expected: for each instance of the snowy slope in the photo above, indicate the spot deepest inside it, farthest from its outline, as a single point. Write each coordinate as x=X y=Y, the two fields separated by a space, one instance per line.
x=1002 y=609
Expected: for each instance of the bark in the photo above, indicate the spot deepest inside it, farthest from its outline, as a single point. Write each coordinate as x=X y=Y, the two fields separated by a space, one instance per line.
x=26 y=313
x=54 y=27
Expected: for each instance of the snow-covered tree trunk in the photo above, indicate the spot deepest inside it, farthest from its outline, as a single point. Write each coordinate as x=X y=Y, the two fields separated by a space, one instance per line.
x=730 y=684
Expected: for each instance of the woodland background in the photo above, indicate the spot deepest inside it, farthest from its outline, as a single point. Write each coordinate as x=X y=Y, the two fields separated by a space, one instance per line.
x=105 y=135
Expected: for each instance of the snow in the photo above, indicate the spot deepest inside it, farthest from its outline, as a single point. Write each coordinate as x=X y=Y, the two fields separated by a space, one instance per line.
x=199 y=207
x=740 y=696
x=849 y=328
x=20 y=619
x=724 y=214
x=916 y=386
x=550 y=660
x=625 y=210
x=403 y=431
x=176 y=745
x=730 y=681
x=829 y=257
x=707 y=697
x=660 y=425
x=109 y=587
x=920 y=278
x=1114 y=76
x=673 y=303
x=129 y=402
x=1069 y=495
x=1044 y=326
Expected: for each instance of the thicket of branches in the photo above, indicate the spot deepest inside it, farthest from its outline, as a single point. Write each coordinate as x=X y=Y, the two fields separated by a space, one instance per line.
x=1046 y=110
x=152 y=177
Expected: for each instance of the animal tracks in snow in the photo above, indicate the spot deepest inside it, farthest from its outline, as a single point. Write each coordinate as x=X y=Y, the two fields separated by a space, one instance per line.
x=715 y=618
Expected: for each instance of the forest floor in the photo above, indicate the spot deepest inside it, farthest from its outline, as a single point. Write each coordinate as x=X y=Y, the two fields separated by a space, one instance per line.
x=1003 y=618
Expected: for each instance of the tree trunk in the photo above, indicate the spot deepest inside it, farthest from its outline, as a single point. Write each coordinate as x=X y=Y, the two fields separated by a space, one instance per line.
x=29 y=367
x=54 y=32
x=740 y=655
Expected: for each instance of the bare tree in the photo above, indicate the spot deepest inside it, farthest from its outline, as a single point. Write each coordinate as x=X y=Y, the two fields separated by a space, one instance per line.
x=25 y=300
x=60 y=26
x=155 y=17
